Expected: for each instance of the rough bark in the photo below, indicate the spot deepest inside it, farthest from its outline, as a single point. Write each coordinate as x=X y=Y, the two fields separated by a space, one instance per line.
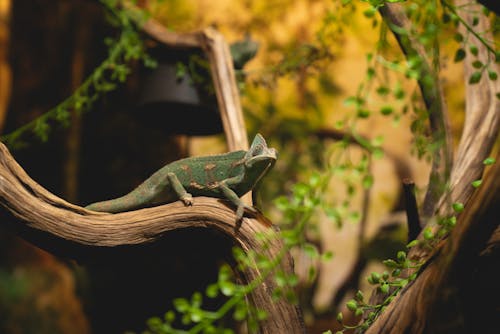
x=424 y=306
x=451 y=265
x=63 y=228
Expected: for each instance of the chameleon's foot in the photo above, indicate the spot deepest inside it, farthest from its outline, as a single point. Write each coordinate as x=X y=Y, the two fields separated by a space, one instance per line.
x=241 y=210
x=187 y=199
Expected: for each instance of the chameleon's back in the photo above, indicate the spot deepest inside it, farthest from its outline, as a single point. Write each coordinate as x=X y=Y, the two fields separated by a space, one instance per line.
x=201 y=175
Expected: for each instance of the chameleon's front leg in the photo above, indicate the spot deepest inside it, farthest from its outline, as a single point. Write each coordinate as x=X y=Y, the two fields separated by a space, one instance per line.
x=231 y=195
x=179 y=190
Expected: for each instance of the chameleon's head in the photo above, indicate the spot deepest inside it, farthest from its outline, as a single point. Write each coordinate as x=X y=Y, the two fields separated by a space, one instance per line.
x=259 y=159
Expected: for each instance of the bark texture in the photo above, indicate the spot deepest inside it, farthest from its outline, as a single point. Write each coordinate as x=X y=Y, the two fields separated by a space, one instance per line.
x=61 y=227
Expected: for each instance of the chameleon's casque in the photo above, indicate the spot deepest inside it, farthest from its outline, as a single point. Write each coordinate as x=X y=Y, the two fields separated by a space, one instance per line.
x=228 y=176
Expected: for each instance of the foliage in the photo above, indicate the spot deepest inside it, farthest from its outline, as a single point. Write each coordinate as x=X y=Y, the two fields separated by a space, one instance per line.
x=291 y=95
x=114 y=70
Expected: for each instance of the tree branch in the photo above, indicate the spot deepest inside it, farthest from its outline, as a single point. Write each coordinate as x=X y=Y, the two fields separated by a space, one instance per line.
x=433 y=97
x=425 y=303
x=63 y=228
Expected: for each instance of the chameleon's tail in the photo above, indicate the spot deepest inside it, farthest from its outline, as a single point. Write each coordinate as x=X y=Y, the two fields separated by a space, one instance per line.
x=124 y=203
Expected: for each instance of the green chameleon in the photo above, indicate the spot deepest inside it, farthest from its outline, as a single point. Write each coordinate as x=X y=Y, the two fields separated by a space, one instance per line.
x=229 y=176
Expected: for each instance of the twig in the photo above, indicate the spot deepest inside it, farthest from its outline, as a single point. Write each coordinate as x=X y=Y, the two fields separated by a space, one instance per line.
x=412 y=215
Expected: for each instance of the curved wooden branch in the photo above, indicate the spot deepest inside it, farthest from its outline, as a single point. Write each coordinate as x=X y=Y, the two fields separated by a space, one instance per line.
x=43 y=216
x=423 y=304
x=478 y=137
x=482 y=111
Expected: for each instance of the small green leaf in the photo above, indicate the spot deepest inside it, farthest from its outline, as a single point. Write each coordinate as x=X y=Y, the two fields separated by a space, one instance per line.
x=458 y=37
x=428 y=235
x=181 y=305
x=492 y=75
x=367 y=181
x=477 y=64
x=240 y=312
x=326 y=256
x=358 y=312
x=474 y=50
x=475 y=77
x=390 y=263
x=352 y=305
x=458 y=207
x=359 y=296
x=212 y=290
x=384 y=288
x=401 y=256
x=375 y=277
x=310 y=250
x=459 y=55
x=363 y=113
x=227 y=288
x=475 y=21
x=412 y=243
x=383 y=90
x=476 y=183
x=340 y=317
x=489 y=161
x=386 y=110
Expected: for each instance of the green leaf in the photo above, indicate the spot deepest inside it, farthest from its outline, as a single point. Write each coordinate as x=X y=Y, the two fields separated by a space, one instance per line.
x=227 y=288
x=367 y=181
x=212 y=290
x=359 y=296
x=475 y=77
x=428 y=235
x=383 y=90
x=399 y=93
x=352 y=305
x=492 y=75
x=477 y=64
x=474 y=50
x=363 y=113
x=458 y=37
x=340 y=317
x=384 y=288
x=412 y=243
x=181 y=305
x=386 y=110
x=401 y=256
x=489 y=161
x=458 y=207
x=240 y=311
x=390 y=263
x=375 y=277
x=476 y=183
x=326 y=256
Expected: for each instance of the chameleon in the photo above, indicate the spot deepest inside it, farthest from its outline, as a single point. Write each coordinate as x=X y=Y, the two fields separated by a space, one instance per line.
x=228 y=176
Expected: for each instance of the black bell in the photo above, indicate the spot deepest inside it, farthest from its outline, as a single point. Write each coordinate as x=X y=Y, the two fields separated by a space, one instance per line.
x=178 y=96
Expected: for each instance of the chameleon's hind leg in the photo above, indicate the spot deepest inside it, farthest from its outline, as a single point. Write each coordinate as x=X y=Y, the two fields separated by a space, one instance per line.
x=231 y=195
x=179 y=190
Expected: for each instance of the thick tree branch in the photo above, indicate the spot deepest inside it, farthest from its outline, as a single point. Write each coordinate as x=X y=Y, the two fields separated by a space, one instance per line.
x=424 y=303
x=411 y=311
x=433 y=97
x=64 y=228
x=482 y=112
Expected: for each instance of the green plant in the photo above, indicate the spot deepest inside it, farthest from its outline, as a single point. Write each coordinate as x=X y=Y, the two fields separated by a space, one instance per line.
x=114 y=70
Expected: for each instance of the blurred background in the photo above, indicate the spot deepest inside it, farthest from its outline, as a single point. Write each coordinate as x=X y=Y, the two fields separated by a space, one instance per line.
x=312 y=57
